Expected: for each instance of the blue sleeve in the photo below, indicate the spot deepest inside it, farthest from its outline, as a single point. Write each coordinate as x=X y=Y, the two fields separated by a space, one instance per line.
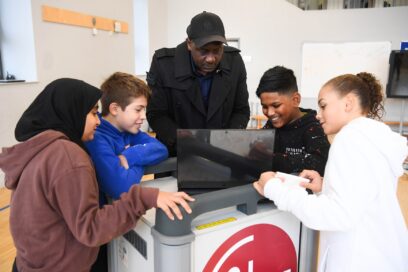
x=144 y=150
x=113 y=179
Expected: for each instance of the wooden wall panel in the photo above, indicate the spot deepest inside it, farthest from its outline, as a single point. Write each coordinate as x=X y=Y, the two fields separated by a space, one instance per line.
x=63 y=16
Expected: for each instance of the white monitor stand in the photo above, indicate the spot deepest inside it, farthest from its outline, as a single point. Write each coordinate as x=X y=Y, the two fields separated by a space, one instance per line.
x=401 y=124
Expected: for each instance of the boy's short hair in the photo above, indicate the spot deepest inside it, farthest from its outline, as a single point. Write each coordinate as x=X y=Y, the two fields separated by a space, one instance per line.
x=121 y=88
x=277 y=79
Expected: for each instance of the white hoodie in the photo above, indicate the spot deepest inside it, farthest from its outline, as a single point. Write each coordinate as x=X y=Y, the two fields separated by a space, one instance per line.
x=358 y=214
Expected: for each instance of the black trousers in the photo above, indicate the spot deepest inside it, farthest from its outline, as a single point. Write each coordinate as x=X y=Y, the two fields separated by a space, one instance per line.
x=101 y=263
x=14 y=266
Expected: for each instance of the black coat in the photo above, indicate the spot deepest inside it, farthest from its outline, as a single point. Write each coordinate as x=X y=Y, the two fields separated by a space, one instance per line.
x=177 y=102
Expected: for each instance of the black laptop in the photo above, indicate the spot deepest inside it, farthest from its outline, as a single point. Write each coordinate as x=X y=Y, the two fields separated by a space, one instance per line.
x=213 y=159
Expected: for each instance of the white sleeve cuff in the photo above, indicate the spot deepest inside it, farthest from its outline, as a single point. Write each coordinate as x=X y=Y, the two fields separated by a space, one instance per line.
x=271 y=187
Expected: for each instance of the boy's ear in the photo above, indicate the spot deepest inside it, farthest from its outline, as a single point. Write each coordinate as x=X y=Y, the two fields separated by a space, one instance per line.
x=296 y=99
x=114 y=108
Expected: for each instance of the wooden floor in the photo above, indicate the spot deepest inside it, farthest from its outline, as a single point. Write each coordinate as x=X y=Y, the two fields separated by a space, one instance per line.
x=8 y=252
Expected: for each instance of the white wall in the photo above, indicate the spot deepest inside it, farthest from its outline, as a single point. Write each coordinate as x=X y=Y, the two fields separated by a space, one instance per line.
x=69 y=51
x=272 y=32
x=158 y=28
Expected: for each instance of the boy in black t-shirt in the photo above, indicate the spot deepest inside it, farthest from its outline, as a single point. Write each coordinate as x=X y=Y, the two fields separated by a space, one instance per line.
x=300 y=142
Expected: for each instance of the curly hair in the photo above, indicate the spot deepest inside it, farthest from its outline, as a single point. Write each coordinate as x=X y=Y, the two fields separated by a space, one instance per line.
x=367 y=88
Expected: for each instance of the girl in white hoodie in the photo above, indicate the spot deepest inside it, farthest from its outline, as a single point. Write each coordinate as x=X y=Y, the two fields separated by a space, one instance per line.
x=355 y=206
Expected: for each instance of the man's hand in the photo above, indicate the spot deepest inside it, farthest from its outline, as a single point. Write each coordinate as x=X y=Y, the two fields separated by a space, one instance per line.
x=168 y=203
x=184 y=134
x=316 y=181
x=263 y=179
x=260 y=151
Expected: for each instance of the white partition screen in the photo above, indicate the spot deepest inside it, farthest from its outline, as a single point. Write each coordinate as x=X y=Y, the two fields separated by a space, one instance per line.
x=323 y=61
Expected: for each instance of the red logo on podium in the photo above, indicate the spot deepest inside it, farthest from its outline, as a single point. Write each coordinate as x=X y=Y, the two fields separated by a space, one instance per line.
x=259 y=248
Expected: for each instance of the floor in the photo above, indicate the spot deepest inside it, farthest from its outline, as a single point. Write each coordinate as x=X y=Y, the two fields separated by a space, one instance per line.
x=8 y=252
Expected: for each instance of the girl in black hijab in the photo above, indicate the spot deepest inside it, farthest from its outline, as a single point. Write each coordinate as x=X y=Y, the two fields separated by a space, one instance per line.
x=55 y=218
x=62 y=106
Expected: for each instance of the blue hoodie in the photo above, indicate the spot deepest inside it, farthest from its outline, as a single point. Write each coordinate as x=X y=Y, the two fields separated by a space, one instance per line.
x=139 y=149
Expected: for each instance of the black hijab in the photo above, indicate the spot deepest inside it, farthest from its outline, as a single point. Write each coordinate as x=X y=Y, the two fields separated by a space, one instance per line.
x=63 y=106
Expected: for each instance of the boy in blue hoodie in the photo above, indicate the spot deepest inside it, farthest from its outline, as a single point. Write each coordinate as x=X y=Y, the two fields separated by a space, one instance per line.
x=120 y=151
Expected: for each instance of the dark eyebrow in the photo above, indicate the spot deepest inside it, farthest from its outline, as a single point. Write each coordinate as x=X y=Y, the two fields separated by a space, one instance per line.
x=320 y=100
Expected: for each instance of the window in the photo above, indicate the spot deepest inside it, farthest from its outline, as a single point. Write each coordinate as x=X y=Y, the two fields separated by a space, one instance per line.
x=140 y=15
x=1 y=65
x=346 y=4
x=17 y=40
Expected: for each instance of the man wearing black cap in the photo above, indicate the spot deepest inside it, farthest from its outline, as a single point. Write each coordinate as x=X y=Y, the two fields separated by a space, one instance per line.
x=199 y=84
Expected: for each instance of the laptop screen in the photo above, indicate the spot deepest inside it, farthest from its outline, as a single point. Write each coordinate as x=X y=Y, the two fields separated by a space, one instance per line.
x=213 y=159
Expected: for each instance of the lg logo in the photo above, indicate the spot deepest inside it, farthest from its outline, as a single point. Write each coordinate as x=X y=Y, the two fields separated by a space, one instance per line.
x=257 y=248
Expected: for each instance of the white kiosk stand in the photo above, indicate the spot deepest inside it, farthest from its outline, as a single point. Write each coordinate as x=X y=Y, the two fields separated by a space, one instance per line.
x=228 y=230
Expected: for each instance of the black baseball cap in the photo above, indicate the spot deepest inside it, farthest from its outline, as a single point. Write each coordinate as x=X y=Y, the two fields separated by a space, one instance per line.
x=206 y=27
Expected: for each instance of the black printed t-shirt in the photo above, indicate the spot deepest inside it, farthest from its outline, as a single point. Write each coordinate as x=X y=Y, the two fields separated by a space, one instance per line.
x=300 y=145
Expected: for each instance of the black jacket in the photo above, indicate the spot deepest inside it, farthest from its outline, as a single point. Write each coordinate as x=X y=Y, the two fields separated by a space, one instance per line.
x=300 y=145
x=177 y=102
